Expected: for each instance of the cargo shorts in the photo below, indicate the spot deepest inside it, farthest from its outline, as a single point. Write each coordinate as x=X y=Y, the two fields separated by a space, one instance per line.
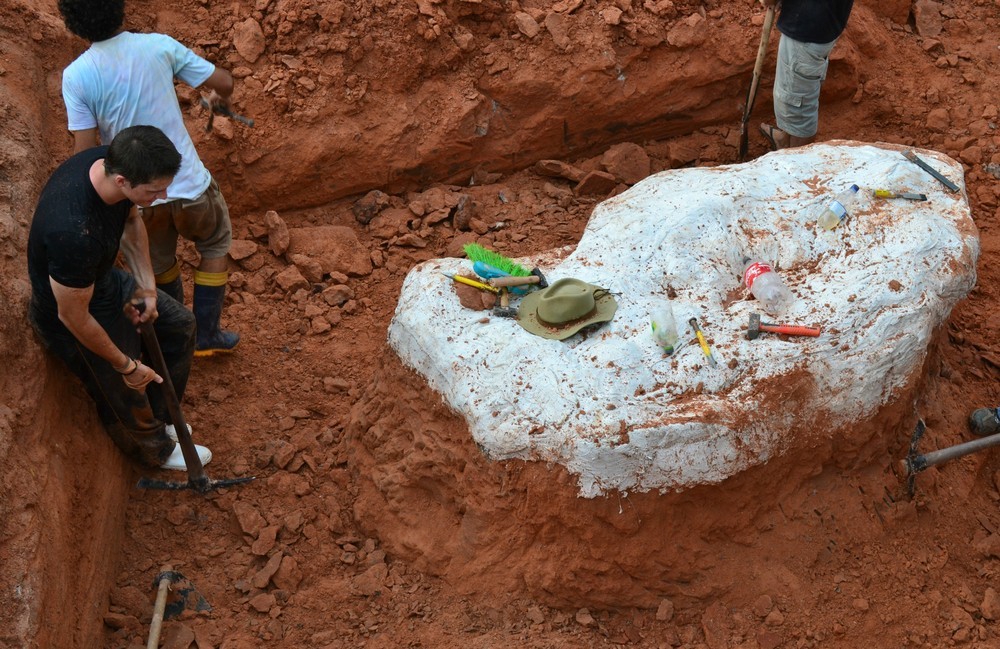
x=800 y=72
x=203 y=220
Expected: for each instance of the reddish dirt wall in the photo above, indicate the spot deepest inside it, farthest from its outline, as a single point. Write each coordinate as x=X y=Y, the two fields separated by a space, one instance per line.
x=64 y=486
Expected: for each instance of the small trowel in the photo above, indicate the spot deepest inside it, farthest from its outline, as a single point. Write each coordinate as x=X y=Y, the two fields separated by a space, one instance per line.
x=885 y=193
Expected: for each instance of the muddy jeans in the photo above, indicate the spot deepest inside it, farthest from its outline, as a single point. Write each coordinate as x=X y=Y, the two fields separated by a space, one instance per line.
x=134 y=421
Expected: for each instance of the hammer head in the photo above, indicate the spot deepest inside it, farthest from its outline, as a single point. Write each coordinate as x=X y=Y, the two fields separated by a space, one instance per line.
x=541 y=278
x=753 y=329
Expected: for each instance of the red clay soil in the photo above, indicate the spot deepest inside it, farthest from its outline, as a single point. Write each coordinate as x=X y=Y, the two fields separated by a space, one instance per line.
x=443 y=105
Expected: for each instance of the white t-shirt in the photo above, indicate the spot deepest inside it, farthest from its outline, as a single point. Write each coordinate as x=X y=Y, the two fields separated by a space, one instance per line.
x=128 y=80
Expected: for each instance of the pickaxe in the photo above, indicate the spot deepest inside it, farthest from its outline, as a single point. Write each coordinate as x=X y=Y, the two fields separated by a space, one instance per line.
x=915 y=463
x=197 y=480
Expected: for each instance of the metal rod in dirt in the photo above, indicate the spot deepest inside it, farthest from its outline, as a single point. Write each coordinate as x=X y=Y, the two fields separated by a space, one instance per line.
x=921 y=462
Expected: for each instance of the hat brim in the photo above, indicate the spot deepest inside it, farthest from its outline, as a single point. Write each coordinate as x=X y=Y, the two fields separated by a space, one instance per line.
x=527 y=316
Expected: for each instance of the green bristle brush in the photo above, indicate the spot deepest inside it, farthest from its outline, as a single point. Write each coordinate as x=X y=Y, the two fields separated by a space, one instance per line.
x=476 y=252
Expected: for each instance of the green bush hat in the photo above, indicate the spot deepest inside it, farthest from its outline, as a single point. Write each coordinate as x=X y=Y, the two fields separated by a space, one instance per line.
x=564 y=308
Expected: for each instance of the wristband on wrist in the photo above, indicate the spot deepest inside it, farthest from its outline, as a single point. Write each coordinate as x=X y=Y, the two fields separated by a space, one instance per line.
x=134 y=368
x=121 y=370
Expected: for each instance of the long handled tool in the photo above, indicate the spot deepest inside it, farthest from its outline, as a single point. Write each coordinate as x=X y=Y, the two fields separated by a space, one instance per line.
x=165 y=578
x=765 y=37
x=186 y=598
x=197 y=480
x=914 y=463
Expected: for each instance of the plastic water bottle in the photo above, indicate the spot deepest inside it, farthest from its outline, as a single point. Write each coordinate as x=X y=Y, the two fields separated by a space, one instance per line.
x=767 y=286
x=664 y=327
x=836 y=212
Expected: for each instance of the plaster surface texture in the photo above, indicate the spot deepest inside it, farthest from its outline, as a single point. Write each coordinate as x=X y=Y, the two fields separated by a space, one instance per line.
x=609 y=406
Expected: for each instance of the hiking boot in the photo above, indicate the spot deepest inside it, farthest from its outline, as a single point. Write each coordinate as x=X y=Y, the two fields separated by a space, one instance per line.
x=985 y=421
x=172 y=431
x=176 y=460
x=209 y=291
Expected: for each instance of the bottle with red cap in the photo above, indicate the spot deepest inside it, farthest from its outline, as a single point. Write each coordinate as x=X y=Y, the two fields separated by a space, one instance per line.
x=767 y=286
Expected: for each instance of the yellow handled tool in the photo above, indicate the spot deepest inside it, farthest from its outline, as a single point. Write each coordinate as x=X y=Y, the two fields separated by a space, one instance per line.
x=471 y=282
x=701 y=341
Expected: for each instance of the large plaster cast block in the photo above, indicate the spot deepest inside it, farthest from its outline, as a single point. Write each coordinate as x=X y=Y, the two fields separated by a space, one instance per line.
x=614 y=411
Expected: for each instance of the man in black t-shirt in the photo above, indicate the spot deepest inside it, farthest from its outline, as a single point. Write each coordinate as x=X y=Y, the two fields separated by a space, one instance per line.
x=83 y=308
x=809 y=30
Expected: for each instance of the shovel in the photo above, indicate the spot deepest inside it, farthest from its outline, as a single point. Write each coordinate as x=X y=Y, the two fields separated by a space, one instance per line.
x=755 y=81
x=197 y=480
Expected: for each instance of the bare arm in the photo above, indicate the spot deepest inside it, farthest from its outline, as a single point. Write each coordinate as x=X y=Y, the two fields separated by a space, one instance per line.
x=135 y=247
x=83 y=140
x=74 y=312
x=221 y=85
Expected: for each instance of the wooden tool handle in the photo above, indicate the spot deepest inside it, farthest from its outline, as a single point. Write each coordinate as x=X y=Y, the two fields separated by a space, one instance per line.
x=791 y=330
x=510 y=280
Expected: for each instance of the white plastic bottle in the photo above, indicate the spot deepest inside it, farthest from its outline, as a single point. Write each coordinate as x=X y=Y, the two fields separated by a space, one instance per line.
x=767 y=286
x=664 y=327
x=836 y=212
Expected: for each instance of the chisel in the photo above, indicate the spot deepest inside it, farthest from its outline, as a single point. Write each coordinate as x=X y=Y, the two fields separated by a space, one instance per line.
x=701 y=341
x=912 y=157
x=471 y=282
x=885 y=193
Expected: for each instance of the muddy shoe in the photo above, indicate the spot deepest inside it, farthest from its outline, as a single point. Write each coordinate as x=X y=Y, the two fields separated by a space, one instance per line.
x=176 y=460
x=172 y=432
x=985 y=421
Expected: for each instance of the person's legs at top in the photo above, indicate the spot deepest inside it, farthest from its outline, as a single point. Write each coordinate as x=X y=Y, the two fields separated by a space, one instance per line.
x=801 y=69
x=162 y=235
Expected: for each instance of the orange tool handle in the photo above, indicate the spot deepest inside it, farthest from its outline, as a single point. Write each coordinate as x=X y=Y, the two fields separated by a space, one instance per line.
x=791 y=330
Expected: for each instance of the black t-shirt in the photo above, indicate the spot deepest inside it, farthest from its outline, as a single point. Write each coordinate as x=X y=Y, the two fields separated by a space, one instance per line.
x=74 y=239
x=814 y=21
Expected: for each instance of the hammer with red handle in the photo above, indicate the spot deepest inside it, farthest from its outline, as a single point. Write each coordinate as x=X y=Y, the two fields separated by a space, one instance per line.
x=756 y=327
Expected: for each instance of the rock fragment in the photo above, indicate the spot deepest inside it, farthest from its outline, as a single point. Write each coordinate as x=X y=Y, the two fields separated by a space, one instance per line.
x=277 y=233
x=248 y=39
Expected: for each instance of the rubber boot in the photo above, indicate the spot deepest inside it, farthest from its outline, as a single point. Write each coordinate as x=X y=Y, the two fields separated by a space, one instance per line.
x=170 y=282
x=209 y=291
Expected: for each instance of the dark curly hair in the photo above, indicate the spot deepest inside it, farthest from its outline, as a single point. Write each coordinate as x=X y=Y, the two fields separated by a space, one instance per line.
x=93 y=20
